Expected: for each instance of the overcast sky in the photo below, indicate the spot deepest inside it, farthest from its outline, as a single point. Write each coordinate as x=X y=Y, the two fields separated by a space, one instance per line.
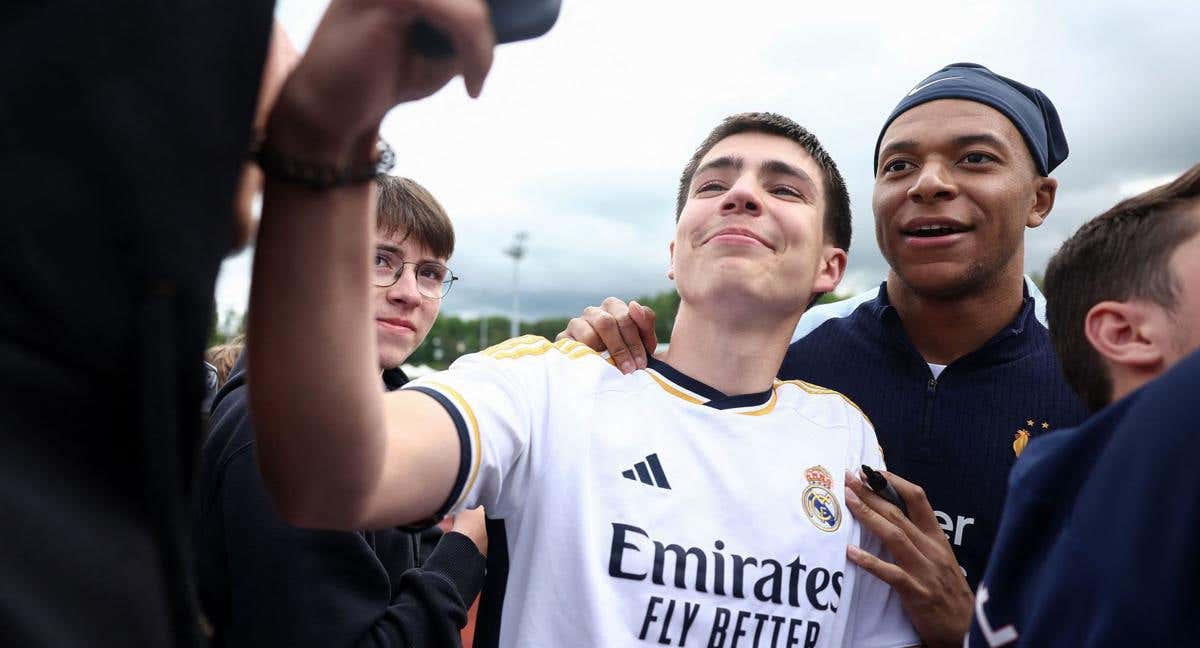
x=580 y=136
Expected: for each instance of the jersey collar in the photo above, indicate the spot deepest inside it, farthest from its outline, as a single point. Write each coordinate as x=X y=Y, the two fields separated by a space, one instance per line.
x=689 y=389
x=1022 y=336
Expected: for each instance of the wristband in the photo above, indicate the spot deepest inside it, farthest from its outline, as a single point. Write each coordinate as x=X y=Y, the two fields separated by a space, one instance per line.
x=315 y=175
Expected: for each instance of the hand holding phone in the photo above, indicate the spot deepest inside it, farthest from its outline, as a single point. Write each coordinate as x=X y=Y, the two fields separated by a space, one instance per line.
x=512 y=20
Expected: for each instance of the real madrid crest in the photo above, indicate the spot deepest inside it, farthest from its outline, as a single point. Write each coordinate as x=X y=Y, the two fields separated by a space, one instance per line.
x=820 y=505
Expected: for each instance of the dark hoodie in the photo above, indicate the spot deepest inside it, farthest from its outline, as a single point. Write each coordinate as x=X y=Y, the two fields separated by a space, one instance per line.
x=266 y=583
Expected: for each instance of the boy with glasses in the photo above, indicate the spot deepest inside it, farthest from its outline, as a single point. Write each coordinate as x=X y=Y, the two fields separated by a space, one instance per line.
x=266 y=583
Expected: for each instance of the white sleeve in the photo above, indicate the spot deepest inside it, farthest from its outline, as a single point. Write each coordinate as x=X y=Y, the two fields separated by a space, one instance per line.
x=499 y=401
x=1039 y=301
x=821 y=313
x=877 y=620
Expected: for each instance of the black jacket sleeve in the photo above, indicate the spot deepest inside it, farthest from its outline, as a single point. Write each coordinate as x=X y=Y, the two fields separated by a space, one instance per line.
x=296 y=587
x=432 y=601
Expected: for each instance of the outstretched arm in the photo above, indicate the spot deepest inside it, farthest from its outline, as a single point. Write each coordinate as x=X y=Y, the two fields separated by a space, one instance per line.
x=333 y=450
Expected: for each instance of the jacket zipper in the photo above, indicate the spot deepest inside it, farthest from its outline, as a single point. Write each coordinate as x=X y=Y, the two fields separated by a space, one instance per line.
x=927 y=425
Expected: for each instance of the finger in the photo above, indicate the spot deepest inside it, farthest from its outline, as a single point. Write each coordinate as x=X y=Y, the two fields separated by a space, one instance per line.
x=885 y=508
x=579 y=330
x=628 y=329
x=437 y=74
x=919 y=509
x=643 y=316
x=872 y=511
x=883 y=570
x=605 y=326
x=933 y=541
x=468 y=26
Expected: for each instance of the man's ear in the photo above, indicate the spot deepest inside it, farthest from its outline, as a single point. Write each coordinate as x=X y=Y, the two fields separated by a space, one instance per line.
x=829 y=273
x=1117 y=331
x=1043 y=201
x=671 y=263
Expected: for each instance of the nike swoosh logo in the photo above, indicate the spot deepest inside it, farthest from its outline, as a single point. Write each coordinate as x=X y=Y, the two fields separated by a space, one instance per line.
x=922 y=87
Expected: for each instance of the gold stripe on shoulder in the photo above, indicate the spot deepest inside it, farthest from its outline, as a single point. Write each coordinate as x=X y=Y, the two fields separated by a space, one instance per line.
x=824 y=391
x=518 y=347
x=532 y=345
x=574 y=350
x=511 y=344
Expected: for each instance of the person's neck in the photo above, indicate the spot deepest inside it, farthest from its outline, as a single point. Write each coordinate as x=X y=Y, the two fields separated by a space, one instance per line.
x=729 y=352
x=1128 y=379
x=945 y=329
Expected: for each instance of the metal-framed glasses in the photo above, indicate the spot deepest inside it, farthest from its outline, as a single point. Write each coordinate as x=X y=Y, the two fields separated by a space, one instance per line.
x=433 y=279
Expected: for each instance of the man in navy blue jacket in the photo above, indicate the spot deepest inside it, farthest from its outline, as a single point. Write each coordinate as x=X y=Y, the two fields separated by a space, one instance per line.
x=1098 y=542
x=264 y=582
x=947 y=357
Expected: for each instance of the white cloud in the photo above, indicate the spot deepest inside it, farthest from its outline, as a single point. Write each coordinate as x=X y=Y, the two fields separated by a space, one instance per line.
x=233 y=282
x=1142 y=185
x=580 y=135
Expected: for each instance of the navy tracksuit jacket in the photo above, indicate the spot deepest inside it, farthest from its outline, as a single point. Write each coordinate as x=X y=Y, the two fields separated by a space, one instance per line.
x=953 y=435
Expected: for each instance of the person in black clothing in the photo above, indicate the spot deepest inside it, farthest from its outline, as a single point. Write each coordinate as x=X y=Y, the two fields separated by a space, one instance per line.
x=266 y=583
x=123 y=130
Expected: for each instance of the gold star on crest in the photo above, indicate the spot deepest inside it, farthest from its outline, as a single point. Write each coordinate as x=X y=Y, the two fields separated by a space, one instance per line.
x=1029 y=422
x=1045 y=425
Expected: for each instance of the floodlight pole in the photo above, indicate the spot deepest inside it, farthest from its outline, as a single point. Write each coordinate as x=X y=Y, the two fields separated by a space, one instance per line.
x=517 y=252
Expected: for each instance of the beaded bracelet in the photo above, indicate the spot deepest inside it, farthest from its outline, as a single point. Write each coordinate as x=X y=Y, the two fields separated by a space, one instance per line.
x=314 y=175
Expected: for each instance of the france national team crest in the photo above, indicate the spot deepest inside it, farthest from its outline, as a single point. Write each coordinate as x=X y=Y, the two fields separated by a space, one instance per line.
x=820 y=505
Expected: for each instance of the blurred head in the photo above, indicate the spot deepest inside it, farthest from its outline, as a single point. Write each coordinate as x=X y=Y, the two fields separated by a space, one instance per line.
x=414 y=234
x=762 y=214
x=222 y=357
x=1123 y=293
x=961 y=168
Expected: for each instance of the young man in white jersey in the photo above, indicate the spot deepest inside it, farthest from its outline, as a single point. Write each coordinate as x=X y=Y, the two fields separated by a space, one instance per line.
x=625 y=533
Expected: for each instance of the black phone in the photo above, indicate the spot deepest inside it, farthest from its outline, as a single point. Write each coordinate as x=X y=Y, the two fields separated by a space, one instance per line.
x=512 y=20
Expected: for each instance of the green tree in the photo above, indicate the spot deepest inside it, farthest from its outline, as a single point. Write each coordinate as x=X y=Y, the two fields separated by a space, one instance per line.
x=226 y=327
x=452 y=336
x=1039 y=280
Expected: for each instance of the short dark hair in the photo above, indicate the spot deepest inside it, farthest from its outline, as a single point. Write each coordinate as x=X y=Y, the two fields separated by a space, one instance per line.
x=1120 y=255
x=405 y=206
x=837 y=199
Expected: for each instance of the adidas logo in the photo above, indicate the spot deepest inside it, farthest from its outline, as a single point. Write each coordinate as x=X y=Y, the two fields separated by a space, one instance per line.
x=643 y=470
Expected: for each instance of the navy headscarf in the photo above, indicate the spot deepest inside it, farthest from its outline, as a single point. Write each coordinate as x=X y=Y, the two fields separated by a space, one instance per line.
x=1027 y=108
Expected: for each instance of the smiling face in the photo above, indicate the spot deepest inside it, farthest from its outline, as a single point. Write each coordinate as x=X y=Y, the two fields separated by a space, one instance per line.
x=955 y=191
x=751 y=230
x=403 y=316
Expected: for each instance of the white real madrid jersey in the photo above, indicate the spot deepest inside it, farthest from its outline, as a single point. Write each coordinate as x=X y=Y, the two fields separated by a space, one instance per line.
x=650 y=509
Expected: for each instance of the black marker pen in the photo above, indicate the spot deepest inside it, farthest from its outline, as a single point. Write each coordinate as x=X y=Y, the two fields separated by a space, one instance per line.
x=880 y=486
